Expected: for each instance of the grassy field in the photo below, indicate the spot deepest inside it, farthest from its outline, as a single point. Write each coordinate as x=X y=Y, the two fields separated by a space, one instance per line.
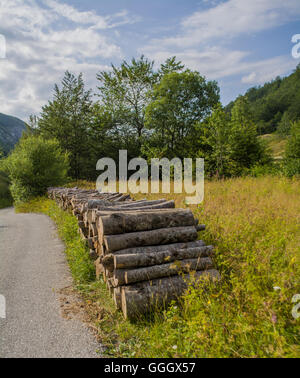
x=276 y=143
x=254 y=225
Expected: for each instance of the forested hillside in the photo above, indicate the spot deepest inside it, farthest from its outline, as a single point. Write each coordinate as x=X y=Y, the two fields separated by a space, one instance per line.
x=11 y=129
x=275 y=104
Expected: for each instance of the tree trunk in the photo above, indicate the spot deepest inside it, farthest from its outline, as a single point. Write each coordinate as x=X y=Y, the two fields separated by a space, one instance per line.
x=108 y=260
x=163 y=205
x=154 y=237
x=123 y=276
x=157 y=258
x=146 y=296
x=120 y=223
x=117 y=295
x=99 y=268
x=159 y=248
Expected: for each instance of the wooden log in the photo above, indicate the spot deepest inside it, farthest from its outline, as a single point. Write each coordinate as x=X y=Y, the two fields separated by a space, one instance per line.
x=143 y=203
x=93 y=229
x=90 y=242
x=99 y=268
x=154 y=237
x=157 y=258
x=93 y=254
x=144 y=297
x=136 y=257
x=117 y=295
x=159 y=248
x=123 y=276
x=200 y=227
x=124 y=197
x=83 y=233
x=163 y=205
x=120 y=223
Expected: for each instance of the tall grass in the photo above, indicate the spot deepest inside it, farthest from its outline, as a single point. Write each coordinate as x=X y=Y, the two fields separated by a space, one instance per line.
x=254 y=224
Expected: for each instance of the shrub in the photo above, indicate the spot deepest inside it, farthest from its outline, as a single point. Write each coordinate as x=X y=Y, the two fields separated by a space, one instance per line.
x=34 y=165
x=5 y=196
x=292 y=152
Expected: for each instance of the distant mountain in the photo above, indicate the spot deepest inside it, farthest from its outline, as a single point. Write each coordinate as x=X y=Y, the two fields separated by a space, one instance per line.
x=11 y=129
x=275 y=104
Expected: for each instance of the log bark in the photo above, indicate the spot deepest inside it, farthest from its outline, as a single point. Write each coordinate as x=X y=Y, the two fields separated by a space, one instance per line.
x=93 y=255
x=163 y=205
x=200 y=227
x=120 y=223
x=91 y=242
x=125 y=277
x=117 y=295
x=157 y=258
x=159 y=248
x=99 y=268
x=93 y=229
x=108 y=260
x=154 y=237
x=142 y=203
x=142 y=298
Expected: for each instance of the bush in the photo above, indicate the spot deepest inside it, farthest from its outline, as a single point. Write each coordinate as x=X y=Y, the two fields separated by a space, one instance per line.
x=5 y=196
x=292 y=152
x=34 y=165
x=265 y=170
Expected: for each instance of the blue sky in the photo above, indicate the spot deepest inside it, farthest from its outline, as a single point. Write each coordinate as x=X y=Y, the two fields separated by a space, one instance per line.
x=239 y=43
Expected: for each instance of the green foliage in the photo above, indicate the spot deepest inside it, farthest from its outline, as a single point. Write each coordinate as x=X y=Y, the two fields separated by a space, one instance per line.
x=34 y=165
x=276 y=104
x=5 y=196
x=179 y=102
x=246 y=148
x=166 y=113
x=68 y=118
x=292 y=152
x=230 y=145
x=125 y=94
x=170 y=65
x=215 y=143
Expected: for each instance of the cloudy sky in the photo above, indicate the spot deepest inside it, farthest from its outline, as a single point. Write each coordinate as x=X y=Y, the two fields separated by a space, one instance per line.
x=239 y=43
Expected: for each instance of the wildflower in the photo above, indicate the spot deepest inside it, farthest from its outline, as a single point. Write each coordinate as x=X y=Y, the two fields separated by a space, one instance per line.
x=274 y=319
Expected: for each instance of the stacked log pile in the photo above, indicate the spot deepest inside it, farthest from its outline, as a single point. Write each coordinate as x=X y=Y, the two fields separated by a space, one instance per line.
x=147 y=251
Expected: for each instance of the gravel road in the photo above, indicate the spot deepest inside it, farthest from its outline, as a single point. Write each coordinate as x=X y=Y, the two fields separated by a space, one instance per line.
x=32 y=271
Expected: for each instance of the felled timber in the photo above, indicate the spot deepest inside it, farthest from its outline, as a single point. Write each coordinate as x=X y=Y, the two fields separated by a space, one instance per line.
x=145 y=251
x=144 y=297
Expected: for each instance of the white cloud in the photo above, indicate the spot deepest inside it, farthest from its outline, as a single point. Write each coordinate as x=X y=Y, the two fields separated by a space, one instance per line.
x=44 y=39
x=217 y=63
x=234 y=18
x=204 y=39
x=90 y=17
